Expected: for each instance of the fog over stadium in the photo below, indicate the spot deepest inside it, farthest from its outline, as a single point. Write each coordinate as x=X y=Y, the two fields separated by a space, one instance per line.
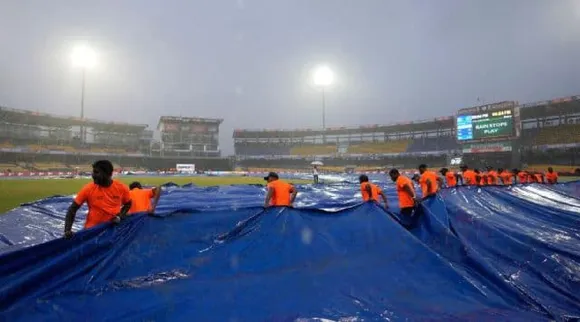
x=250 y=62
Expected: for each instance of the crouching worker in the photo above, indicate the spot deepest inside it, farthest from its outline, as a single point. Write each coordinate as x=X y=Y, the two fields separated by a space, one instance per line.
x=108 y=199
x=371 y=191
x=141 y=198
x=280 y=193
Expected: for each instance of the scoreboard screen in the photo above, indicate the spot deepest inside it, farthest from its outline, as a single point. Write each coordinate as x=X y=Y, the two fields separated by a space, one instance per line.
x=486 y=125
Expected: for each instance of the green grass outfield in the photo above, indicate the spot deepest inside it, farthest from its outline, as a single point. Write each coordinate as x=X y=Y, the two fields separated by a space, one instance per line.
x=15 y=192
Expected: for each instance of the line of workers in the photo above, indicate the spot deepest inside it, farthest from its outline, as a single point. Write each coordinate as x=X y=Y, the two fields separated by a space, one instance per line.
x=110 y=200
x=281 y=193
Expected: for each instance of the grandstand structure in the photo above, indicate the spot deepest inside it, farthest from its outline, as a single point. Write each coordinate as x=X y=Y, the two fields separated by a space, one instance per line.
x=546 y=132
x=35 y=142
x=188 y=136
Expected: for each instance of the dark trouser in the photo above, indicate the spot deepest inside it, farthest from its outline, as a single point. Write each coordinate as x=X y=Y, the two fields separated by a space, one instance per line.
x=315 y=179
x=409 y=217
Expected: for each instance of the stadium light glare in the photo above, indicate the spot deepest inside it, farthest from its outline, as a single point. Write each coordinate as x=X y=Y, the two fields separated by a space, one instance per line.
x=323 y=76
x=84 y=57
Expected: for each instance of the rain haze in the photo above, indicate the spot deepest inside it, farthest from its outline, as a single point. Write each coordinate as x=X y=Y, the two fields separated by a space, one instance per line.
x=250 y=61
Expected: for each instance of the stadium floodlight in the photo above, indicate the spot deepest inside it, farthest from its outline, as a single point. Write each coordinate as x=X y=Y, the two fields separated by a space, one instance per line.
x=323 y=76
x=84 y=57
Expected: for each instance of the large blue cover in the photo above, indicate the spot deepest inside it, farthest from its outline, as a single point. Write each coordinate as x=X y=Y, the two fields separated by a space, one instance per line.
x=212 y=254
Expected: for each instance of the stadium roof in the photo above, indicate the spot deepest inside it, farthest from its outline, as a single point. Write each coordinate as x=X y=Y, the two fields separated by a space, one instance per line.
x=43 y=119
x=528 y=111
x=181 y=119
x=559 y=106
x=424 y=125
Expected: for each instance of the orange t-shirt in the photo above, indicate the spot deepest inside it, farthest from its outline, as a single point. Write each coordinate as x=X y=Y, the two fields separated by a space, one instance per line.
x=375 y=191
x=522 y=177
x=492 y=177
x=428 y=175
x=281 y=193
x=482 y=179
x=538 y=178
x=405 y=200
x=451 y=179
x=469 y=177
x=507 y=177
x=104 y=202
x=141 y=200
x=551 y=177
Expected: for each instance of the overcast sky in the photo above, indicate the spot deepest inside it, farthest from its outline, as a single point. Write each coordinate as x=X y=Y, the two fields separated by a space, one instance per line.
x=249 y=61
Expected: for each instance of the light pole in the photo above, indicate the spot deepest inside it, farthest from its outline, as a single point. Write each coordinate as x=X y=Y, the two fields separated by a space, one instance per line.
x=83 y=57
x=323 y=77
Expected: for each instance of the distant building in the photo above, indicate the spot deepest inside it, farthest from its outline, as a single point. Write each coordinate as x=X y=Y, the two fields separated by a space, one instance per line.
x=188 y=136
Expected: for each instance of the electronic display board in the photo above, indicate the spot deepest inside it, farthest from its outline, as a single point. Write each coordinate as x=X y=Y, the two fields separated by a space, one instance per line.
x=487 y=122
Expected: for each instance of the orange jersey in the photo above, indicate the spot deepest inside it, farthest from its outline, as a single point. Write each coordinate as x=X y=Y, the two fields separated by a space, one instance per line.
x=405 y=200
x=451 y=179
x=492 y=177
x=469 y=177
x=104 y=202
x=522 y=177
x=482 y=179
x=538 y=177
x=551 y=177
x=281 y=193
x=432 y=176
x=506 y=177
x=141 y=200
x=375 y=191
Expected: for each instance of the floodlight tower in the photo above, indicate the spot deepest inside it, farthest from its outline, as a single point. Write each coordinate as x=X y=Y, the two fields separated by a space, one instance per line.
x=85 y=58
x=323 y=77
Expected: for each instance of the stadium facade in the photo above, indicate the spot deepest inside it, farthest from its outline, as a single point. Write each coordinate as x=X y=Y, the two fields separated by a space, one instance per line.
x=512 y=135
x=189 y=136
x=32 y=142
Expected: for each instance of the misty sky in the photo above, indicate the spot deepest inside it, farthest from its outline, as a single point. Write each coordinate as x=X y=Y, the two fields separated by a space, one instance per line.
x=249 y=61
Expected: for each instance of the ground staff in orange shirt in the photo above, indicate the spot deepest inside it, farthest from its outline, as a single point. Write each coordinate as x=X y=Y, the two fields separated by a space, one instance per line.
x=280 y=193
x=492 y=176
x=429 y=181
x=141 y=198
x=405 y=191
x=469 y=177
x=370 y=191
x=450 y=177
x=108 y=199
x=505 y=176
x=551 y=176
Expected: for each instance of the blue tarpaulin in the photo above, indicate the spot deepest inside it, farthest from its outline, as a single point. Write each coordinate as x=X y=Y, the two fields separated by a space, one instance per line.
x=213 y=254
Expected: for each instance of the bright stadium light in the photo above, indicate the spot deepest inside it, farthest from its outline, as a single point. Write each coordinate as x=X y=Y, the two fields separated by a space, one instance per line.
x=323 y=76
x=84 y=57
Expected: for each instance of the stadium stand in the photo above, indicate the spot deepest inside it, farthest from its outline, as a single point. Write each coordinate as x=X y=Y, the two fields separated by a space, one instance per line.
x=445 y=143
x=312 y=149
x=550 y=134
x=31 y=141
x=398 y=146
x=562 y=134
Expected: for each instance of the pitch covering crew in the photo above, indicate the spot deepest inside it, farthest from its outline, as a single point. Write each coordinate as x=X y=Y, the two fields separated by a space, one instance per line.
x=141 y=198
x=429 y=181
x=370 y=191
x=450 y=177
x=108 y=200
x=280 y=193
x=405 y=192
